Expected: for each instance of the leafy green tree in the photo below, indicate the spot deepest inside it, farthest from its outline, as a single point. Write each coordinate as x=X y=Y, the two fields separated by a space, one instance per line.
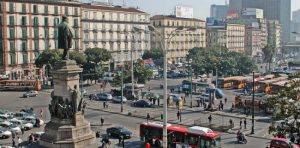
x=154 y=54
x=92 y=70
x=206 y=60
x=49 y=56
x=79 y=57
x=269 y=52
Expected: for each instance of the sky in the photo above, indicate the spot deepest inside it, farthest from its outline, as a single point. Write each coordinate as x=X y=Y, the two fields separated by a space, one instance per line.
x=166 y=7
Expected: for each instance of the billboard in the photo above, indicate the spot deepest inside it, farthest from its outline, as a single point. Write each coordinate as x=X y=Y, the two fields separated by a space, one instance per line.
x=258 y=13
x=184 y=12
x=210 y=21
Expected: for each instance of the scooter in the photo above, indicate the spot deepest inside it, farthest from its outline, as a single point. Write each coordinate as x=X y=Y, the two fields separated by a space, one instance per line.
x=241 y=140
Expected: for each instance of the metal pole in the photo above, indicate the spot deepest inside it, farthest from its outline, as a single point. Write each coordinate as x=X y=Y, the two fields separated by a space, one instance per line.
x=132 y=76
x=191 y=88
x=216 y=78
x=253 y=91
x=165 y=109
x=122 y=77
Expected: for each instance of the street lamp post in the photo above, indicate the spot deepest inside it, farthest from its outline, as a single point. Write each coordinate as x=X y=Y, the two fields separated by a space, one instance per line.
x=253 y=91
x=164 y=48
x=122 y=81
x=191 y=87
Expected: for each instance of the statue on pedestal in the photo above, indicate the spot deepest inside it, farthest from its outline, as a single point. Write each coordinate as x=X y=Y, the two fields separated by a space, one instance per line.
x=65 y=36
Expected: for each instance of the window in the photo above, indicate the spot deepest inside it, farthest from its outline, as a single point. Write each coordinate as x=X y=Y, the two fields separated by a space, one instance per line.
x=35 y=9
x=11 y=33
x=66 y=11
x=12 y=59
x=76 y=44
x=11 y=20
x=94 y=15
x=125 y=17
x=56 y=33
x=46 y=9
x=35 y=21
x=110 y=16
x=23 y=46
x=55 y=10
x=36 y=33
x=23 y=8
x=46 y=21
x=56 y=21
x=25 y=59
x=86 y=14
x=36 y=45
x=12 y=46
x=75 y=22
x=76 y=33
x=24 y=33
x=76 y=11
x=11 y=7
x=118 y=17
x=46 y=33
x=23 y=20
x=95 y=36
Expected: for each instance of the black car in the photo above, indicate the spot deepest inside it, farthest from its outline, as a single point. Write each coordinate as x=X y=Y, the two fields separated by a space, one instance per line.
x=119 y=132
x=142 y=103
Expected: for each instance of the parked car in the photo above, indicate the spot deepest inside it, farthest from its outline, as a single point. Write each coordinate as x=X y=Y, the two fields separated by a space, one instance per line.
x=31 y=93
x=282 y=143
x=9 y=115
x=119 y=132
x=21 y=115
x=3 y=117
x=30 y=119
x=205 y=97
x=16 y=121
x=29 y=111
x=27 y=125
x=104 y=96
x=175 y=97
x=142 y=103
x=118 y=99
x=4 y=133
x=14 y=128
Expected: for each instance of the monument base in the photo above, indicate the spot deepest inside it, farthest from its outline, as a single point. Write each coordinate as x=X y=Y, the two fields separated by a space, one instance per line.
x=65 y=133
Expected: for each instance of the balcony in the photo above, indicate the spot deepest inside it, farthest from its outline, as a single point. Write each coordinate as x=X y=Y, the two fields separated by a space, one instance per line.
x=95 y=30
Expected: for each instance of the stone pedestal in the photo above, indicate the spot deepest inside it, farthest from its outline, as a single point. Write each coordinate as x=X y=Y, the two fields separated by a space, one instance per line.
x=72 y=132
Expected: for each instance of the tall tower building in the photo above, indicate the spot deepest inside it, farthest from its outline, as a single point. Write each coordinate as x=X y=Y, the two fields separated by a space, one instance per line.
x=218 y=11
x=273 y=10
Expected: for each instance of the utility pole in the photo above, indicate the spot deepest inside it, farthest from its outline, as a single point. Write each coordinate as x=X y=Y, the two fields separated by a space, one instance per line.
x=191 y=87
x=132 y=74
x=122 y=77
x=253 y=91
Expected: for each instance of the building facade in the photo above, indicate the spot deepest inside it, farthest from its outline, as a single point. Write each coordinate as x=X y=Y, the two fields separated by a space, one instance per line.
x=295 y=27
x=235 y=37
x=274 y=35
x=27 y=28
x=273 y=10
x=180 y=42
x=216 y=37
x=112 y=28
x=218 y=11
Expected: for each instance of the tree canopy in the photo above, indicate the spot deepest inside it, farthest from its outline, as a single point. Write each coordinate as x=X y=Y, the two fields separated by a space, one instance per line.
x=49 y=56
x=97 y=55
x=154 y=54
x=206 y=60
x=79 y=57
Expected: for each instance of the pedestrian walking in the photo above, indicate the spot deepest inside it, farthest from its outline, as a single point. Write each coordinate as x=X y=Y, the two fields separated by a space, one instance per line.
x=90 y=97
x=104 y=104
x=225 y=100
x=219 y=107
x=102 y=121
x=20 y=142
x=13 y=142
x=241 y=122
x=148 y=117
x=158 y=101
x=245 y=124
x=41 y=113
x=209 y=119
x=161 y=116
x=222 y=106
x=231 y=123
x=22 y=129
x=149 y=89
x=178 y=115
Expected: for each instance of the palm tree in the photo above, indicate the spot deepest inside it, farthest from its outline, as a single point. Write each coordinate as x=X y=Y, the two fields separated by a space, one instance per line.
x=268 y=54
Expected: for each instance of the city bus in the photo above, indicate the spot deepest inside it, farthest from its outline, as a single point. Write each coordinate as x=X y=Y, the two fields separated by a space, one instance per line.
x=178 y=136
x=20 y=85
x=265 y=86
x=228 y=82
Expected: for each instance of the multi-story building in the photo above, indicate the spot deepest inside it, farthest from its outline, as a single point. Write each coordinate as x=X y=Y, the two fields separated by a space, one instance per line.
x=112 y=28
x=295 y=27
x=235 y=37
x=27 y=28
x=182 y=41
x=274 y=35
x=273 y=10
x=253 y=41
x=218 y=11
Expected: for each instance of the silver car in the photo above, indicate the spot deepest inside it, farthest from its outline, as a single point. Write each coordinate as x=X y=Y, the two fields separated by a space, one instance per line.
x=30 y=94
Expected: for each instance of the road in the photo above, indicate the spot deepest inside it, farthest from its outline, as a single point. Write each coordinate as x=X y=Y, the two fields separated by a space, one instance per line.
x=132 y=123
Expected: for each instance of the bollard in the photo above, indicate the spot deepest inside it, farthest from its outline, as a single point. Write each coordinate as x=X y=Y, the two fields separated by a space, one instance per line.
x=147 y=145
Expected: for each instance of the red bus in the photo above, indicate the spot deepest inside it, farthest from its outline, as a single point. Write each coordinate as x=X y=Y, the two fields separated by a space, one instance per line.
x=193 y=137
x=20 y=85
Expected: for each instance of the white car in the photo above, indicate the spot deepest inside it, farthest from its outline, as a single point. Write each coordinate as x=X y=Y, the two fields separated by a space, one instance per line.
x=4 y=133
x=28 y=125
x=175 y=97
x=30 y=119
x=3 y=117
x=16 y=121
x=14 y=128
x=9 y=115
x=30 y=94
x=5 y=124
x=118 y=99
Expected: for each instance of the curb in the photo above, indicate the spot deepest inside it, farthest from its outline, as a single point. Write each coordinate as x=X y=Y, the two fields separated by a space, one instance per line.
x=142 y=117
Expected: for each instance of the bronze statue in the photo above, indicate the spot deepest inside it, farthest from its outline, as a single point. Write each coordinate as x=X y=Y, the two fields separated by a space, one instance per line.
x=65 y=36
x=74 y=98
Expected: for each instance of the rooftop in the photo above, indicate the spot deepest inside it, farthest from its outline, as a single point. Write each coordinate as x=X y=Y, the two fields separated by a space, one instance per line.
x=173 y=17
x=112 y=8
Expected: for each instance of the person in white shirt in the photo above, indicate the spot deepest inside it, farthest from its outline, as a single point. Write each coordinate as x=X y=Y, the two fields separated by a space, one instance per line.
x=20 y=141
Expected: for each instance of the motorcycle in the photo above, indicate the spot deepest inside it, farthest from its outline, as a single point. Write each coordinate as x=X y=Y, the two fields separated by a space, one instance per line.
x=241 y=139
